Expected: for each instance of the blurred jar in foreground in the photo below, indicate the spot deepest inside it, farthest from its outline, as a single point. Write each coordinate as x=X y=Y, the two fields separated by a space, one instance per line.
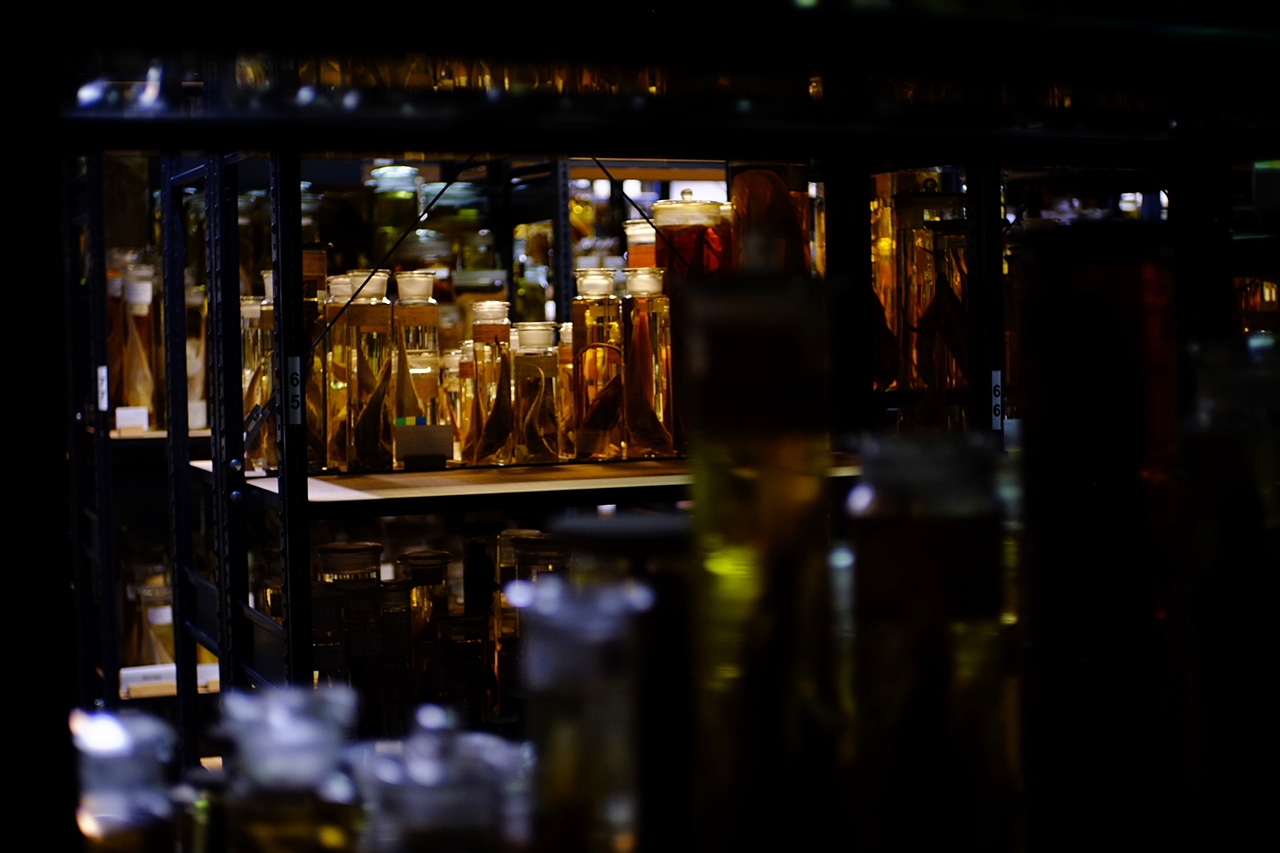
x=931 y=720
x=124 y=801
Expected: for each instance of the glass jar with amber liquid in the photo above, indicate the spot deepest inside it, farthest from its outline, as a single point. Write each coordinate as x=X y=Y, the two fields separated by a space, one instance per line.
x=535 y=367
x=371 y=380
x=597 y=362
x=647 y=333
x=492 y=356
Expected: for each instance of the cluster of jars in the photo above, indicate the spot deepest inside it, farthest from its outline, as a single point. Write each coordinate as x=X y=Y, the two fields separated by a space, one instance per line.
x=423 y=631
x=382 y=395
x=602 y=391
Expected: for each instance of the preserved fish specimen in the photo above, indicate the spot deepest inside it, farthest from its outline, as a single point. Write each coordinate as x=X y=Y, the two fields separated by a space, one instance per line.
x=492 y=355
x=647 y=316
x=335 y=357
x=416 y=318
x=535 y=368
x=597 y=361
x=468 y=403
x=370 y=385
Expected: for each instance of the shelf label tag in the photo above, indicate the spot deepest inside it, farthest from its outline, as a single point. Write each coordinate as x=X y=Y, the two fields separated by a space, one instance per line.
x=997 y=405
x=293 y=394
x=104 y=401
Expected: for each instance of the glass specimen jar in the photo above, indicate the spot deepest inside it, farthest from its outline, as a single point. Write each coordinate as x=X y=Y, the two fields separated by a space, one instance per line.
x=336 y=367
x=143 y=376
x=535 y=369
x=424 y=434
x=122 y=763
x=428 y=573
x=641 y=243
x=597 y=363
x=492 y=355
x=647 y=334
x=567 y=389
x=371 y=379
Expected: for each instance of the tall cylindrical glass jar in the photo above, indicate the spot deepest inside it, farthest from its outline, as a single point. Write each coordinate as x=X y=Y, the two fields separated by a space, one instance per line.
x=142 y=376
x=418 y=413
x=597 y=361
x=535 y=369
x=647 y=332
x=335 y=359
x=371 y=383
x=492 y=353
x=567 y=391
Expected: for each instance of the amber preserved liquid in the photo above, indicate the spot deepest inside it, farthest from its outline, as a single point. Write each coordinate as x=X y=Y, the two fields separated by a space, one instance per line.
x=690 y=251
x=371 y=387
x=537 y=424
x=468 y=410
x=647 y=409
x=495 y=444
x=314 y=263
x=417 y=362
x=290 y=822
x=597 y=361
x=139 y=372
x=566 y=390
x=335 y=403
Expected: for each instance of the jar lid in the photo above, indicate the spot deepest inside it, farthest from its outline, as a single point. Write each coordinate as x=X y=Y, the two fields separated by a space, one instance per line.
x=451 y=359
x=639 y=231
x=268 y=282
x=491 y=311
x=374 y=281
x=425 y=567
x=566 y=333
x=685 y=211
x=594 y=281
x=344 y=557
x=644 y=281
x=395 y=178
x=416 y=285
x=535 y=334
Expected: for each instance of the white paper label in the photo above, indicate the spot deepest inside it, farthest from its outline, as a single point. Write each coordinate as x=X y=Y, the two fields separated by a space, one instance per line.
x=997 y=405
x=104 y=402
x=132 y=417
x=293 y=382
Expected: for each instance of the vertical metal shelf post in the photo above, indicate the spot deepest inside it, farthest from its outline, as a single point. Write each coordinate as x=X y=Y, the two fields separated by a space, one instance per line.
x=292 y=346
x=108 y=574
x=985 y=259
x=227 y=419
x=178 y=444
x=562 y=243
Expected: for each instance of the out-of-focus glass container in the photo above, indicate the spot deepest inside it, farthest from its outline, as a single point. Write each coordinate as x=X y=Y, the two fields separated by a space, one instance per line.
x=285 y=789
x=641 y=243
x=537 y=422
x=428 y=572
x=690 y=238
x=492 y=354
x=647 y=333
x=598 y=366
x=579 y=673
x=124 y=802
x=395 y=209
x=930 y=710
x=770 y=210
x=450 y=389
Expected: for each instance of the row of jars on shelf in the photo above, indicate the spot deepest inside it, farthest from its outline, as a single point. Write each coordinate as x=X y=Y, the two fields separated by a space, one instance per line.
x=381 y=395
